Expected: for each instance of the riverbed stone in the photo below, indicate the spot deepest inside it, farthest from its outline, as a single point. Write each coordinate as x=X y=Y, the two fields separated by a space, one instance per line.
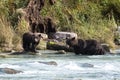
x=87 y=65
x=9 y=71
x=49 y=63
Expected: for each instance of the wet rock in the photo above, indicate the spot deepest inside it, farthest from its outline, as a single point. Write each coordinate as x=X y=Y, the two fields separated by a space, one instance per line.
x=4 y=56
x=58 y=39
x=9 y=71
x=87 y=65
x=54 y=45
x=15 y=53
x=49 y=63
x=23 y=53
x=61 y=52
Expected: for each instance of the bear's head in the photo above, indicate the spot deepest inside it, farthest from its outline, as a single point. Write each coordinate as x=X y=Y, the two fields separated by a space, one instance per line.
x=72 y=41
x=37 y=37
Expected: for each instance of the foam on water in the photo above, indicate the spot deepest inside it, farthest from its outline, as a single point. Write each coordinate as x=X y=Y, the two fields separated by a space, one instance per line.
x=73 y=66
x=68 y=68
x=109 y=66
x=9 y=66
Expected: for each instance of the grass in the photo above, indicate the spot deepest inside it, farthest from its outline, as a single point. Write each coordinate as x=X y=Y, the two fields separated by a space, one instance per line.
x=87 y=19
x=90 y=19
x=6 y=34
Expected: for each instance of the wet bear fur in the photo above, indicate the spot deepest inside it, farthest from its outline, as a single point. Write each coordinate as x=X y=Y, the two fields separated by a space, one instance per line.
x=85 y=47
x=30 y=41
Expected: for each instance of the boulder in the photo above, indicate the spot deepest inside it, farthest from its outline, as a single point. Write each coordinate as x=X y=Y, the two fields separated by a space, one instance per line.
x=9 y=71
x=43 y=42
x=52 y=45
x=57 y=41
x=60 y=36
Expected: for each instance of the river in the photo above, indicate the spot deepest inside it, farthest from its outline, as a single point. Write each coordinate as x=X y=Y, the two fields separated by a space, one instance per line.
x=68 y=67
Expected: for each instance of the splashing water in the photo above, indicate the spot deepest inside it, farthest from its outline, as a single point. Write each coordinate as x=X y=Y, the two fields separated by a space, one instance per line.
x=67 y=67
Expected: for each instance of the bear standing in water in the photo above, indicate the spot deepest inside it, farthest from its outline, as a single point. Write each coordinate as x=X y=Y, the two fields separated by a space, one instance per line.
x=30 y=41
x=86 y=47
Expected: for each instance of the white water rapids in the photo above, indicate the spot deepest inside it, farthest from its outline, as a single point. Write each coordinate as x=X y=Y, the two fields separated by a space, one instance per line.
x=68 y=67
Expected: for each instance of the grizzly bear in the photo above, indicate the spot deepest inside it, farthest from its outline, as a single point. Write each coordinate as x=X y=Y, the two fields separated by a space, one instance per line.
x=30 y=41
x=86 y=47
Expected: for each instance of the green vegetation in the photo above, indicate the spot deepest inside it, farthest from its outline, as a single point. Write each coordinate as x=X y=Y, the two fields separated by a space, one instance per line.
x=90 y=19
x=11 y=27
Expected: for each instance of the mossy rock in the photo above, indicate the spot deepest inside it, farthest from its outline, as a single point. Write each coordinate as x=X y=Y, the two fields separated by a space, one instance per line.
x=42 y=45
x=58 y=46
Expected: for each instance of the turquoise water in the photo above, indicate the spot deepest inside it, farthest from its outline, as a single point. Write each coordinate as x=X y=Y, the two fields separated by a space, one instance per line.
x=69 y=67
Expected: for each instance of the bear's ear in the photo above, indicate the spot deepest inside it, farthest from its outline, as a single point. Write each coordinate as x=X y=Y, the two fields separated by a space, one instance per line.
x=40 y=36
x=73 y=38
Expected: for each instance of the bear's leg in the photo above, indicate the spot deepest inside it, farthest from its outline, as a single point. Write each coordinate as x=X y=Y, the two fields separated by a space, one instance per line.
x=100 y=51
x=76 y=52
x=106 y=48
x=26 y=46
x=33 y=47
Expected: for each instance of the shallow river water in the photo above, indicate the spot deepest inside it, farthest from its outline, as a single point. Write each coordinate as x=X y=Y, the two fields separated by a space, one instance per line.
x=69 y=67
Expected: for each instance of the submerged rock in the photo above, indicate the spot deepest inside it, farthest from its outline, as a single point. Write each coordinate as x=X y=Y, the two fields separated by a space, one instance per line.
x=49 y=63
x=87 y=65
x=9 y=71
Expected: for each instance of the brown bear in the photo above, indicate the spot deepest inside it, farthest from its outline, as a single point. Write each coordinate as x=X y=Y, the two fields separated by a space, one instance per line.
x=50 y=28
x=30 y=41
x=85 y=47
x=50 y=25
